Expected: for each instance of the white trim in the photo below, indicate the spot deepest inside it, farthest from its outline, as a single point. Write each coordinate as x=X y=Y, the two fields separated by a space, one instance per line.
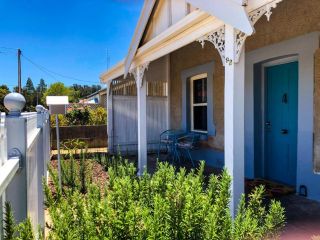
x=282 y=60
x=184 y=32
x=7 y=172
x=168 y=91
x=192 y=27
x=140 y=29
x=231 y=12
x=192 y=104
x=199 y=76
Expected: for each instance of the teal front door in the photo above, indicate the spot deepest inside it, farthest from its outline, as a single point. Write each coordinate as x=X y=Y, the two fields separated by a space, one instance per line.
x=281 y=122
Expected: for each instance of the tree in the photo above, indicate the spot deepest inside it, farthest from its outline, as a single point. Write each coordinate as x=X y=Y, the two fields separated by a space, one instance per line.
x=29 y=86
x=41 y=89
x=29 y=93
x=81 y=91
x=42 y=86
x=4 y=90
x=59 y=89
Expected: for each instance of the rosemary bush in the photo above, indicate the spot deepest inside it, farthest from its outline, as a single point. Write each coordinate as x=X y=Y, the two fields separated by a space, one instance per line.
x=170 y=204
x=22 y=231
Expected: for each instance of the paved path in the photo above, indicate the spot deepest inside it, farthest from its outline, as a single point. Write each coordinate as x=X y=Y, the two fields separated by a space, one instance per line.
x=303 y=217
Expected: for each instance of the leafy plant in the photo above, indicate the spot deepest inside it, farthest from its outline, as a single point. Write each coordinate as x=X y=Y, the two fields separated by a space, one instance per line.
x=25 y=231
x=98 y=116
x=81 y=115
x=22 y=231
x=170 y=204
x=8 y=222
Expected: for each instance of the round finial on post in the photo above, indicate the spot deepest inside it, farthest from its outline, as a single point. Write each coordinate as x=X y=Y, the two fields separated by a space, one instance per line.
x=40 y=109
x=14 y=102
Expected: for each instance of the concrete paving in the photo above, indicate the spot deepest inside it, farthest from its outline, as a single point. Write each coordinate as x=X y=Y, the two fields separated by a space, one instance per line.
x=303 y=218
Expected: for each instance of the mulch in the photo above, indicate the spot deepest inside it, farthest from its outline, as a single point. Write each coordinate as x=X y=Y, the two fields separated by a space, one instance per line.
x=96 y=170
x=272 y=189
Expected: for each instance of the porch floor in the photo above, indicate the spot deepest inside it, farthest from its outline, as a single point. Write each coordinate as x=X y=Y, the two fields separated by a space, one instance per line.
x=303 y=215
x=303 y=218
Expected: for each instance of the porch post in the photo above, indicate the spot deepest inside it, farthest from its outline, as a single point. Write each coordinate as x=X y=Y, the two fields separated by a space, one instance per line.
x=141 y=83
x=109 y=117
x=234 y=116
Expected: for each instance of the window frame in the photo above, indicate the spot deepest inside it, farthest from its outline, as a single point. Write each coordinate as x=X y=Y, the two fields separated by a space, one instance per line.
x=192 y=104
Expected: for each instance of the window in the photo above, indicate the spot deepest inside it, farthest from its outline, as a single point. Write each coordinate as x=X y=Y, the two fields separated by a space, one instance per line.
x=199 y=103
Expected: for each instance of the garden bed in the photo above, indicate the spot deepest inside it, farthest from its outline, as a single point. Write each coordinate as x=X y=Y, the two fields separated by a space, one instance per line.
x=106 y=200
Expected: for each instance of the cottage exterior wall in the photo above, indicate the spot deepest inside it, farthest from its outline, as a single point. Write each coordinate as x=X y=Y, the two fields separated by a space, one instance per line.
x=316 y=121
x=290 y=19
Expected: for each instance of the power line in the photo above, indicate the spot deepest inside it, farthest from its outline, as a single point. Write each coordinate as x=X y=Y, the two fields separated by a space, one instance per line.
x=53 y=73
x=9 y=48
x=40 y=68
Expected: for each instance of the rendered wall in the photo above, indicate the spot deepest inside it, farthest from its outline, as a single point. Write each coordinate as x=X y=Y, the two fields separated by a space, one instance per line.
x=316 y=143
x=188 y=57
x=290 y=19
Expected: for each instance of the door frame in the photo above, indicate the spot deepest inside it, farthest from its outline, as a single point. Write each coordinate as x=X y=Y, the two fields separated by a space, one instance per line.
x=280 y=61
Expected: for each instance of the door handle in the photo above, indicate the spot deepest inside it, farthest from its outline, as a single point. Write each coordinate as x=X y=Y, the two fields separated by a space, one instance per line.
x=284 y=131
x=285 y=98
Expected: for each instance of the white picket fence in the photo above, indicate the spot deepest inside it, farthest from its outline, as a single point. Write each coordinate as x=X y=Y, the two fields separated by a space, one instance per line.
x=24 y=154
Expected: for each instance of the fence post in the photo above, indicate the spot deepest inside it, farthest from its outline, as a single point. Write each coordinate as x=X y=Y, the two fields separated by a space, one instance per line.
x=3 y=157
x=16 y=192
x=42 y=152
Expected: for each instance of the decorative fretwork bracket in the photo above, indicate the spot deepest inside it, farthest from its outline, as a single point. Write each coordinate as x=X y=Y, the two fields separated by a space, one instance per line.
x=138 y=73
x=217 y=37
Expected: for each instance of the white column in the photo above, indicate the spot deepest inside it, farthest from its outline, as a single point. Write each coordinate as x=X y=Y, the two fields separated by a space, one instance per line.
x=234 y=117
x=141 y=83
x=110 y=117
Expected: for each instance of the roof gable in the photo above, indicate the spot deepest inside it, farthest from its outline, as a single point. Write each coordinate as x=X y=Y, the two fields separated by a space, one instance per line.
x=158 y=15
x=142 y=23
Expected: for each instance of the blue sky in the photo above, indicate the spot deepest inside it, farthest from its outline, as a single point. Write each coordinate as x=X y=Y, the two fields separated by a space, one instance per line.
x=70 y=37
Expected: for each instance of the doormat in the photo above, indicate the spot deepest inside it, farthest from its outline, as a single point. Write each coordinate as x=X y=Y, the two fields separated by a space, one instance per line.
x=272 y=189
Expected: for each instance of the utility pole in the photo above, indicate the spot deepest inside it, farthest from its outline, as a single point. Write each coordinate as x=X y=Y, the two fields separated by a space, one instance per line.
x=19 y=70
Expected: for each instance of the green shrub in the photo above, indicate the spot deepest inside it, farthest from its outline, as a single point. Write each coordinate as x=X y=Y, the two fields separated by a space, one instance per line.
x=98 y=116
x=22 y=231
x=8 y=222
x=170 y=204
x=80 y=115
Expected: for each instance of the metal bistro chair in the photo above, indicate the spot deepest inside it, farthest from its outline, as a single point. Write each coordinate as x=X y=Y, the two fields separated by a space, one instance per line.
x=186 y=144
x=168 y=140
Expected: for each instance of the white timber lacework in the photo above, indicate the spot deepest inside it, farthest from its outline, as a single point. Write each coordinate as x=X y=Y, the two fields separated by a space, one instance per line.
x=138 y=73
x=217 y=37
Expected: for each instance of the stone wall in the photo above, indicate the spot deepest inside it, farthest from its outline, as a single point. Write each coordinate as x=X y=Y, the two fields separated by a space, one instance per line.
x=290 y=19
x=316 y=154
